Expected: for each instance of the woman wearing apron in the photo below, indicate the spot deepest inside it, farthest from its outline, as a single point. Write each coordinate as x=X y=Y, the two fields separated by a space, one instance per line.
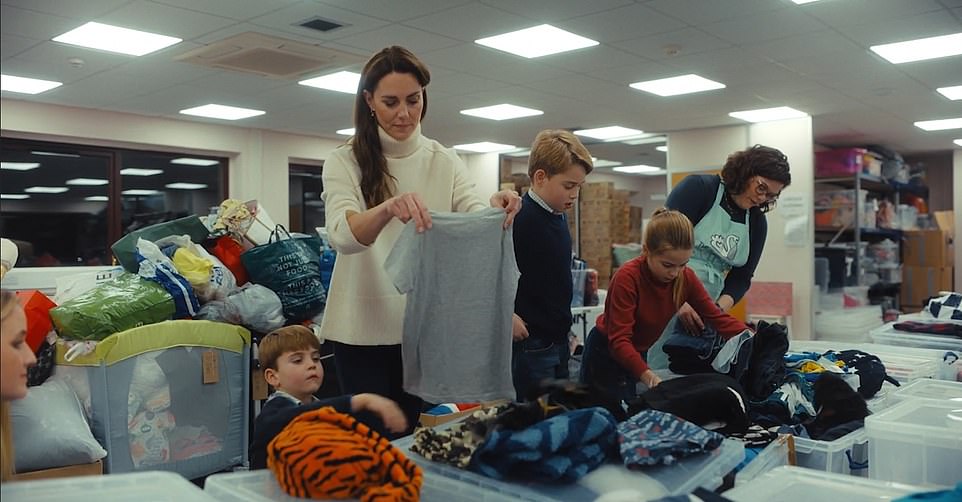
x=728 y=212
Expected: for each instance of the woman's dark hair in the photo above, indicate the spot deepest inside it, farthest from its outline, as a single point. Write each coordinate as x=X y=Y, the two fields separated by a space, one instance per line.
x=377 y=184
x=758 y=160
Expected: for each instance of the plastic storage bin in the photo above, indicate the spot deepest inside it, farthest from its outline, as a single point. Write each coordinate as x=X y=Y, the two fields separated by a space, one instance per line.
x=772 y=456
x=681 y=478
x=155 y=486
x=795 y=484
x=840 y=161
x=888 y=335
x=848 y=325
x=917 y=442
x=261 y=486
x=170 y=396
x=905 y=364
x=934 y=391
x=845 y=455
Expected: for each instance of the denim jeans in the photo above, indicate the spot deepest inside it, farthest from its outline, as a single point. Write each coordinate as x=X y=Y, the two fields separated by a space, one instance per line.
x=601 y=370
x=535 y=359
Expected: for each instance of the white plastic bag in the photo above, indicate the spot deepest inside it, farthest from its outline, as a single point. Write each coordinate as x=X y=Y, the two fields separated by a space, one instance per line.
x=74 y=285
x=258 y=308
x=221 y=282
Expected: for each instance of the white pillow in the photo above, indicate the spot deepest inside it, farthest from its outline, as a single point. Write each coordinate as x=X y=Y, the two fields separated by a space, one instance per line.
x=49 y=429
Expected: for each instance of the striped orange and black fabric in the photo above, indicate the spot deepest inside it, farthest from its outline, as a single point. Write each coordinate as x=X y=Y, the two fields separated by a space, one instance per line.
x=323 y=454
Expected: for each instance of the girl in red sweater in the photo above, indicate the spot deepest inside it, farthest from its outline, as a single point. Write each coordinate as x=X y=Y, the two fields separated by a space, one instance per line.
x=643 y=296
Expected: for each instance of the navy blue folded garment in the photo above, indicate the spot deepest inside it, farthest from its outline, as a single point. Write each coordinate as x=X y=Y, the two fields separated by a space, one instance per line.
x=654 y=437
x=562 y=448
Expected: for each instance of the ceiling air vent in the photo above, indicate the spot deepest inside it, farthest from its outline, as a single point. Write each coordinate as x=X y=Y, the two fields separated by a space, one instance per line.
x=269 y=56
x=320 y=24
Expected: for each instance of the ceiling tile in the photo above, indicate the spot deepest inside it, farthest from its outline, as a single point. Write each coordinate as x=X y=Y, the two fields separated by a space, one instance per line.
x=163 y=19
x=85 y=10
x=30 y=24
x=99 y=90
x=934 y=73
x=547 y=11
x=289 y=18
x=164 y=71
x=906 y=28
x=716 y=62
x=239 y=83
x=470 y=22
x=417 y=41
x=49 y=60
x=457 y=84
x=769 y=25
x=868 y=12
x=492 y=64
x=395 y=11
x=700 y=12
x=233 y=9
x=672 y=44
x=598 y=59
x=623 y=23
x=11 y=45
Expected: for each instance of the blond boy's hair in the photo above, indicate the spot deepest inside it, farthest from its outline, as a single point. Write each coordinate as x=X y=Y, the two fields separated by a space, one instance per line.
x=554 y=150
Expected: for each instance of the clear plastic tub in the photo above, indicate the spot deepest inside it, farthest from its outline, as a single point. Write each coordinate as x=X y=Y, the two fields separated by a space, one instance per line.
x=795 y=484
x=155 y=486
x=845 y=455
x=772 y=456
x=850 y=324
x=888 y=335
x=936 y=391
x=261 y=486
x=681 y=478
x=917 y=442
x=904 y=364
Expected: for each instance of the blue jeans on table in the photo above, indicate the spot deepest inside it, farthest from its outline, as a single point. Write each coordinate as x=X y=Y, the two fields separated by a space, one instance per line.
x=534 y=360
x=601 y=370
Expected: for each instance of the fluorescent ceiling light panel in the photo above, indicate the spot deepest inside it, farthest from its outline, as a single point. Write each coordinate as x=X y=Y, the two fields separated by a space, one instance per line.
x=116 y=39
x=639 y=169
x=521 y=152
x=954 y=92
x=503 y=111
x=87 y=182
x=484 y=147
x=140 y=192
x=940 y=125
x=14 y=196
x=537 y=41
x=19 y=166
x=674 y=86
x=222 y=112
x=921 y=49
x=46 y=189
x=345 y=132
x=186 y=186
x=604 y=163
x=55 y=154
x=610 y=133
x=25 y=85
x=768 y=114
x=96 y=198
x=662 y=148
x=958 y=142
x=136 y=171
x=803 y=2
x=188 y=161
x=342 y=81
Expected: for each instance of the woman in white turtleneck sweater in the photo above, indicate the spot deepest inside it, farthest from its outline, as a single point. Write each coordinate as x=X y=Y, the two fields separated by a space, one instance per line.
x=387 y=175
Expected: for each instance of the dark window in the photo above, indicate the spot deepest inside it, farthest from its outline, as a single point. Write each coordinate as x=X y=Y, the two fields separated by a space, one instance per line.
x=65 y=204
x=306 y=205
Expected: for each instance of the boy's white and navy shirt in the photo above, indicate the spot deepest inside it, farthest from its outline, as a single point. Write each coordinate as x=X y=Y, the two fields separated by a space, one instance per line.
x=539 y=201
x=296 y=401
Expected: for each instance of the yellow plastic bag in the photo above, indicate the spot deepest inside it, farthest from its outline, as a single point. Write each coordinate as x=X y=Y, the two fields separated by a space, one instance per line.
x=194 y=268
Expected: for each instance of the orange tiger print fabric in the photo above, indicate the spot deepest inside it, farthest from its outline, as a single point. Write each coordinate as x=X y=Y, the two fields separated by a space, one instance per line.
x=323 y=454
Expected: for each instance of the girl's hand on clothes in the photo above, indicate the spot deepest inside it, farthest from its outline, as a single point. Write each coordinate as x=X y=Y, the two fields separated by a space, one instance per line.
x=389 y=412
x=650 y=379
x=690 y=320
x=409 y=206
x=510 y=201
x=519 y=330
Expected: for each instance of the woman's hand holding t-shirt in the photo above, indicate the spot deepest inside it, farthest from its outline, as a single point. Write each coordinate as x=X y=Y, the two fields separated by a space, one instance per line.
x=409 y=206
x=510 y=201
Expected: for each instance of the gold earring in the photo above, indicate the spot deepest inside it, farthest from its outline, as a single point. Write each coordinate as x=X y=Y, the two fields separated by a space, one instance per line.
x=372 y=112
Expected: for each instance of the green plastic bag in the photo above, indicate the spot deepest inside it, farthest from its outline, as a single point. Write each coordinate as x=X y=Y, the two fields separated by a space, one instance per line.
x=126 y=248
x=114 y=306
x=291 y=268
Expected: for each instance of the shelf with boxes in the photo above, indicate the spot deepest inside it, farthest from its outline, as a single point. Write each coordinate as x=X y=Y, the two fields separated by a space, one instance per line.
x=603 y=217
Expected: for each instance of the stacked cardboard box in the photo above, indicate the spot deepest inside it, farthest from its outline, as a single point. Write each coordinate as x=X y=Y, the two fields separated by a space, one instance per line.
x=606 y=219
x=634 y=224
x=928 y=260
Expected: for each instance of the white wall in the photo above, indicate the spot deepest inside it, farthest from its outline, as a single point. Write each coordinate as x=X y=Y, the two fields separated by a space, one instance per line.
x=957 y=204
x=708 y=148
x=258 y=158
x=484 y=171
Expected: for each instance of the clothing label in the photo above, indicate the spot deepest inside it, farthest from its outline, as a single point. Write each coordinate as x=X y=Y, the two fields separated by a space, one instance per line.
x=211 y=372
x=258 y=386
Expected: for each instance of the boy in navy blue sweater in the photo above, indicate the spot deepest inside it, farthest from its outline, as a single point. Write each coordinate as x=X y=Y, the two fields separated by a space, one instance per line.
x=291 y=358
x=558 y=165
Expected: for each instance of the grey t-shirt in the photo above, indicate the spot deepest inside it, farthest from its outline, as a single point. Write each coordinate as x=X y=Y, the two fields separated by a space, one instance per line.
x=460 y=278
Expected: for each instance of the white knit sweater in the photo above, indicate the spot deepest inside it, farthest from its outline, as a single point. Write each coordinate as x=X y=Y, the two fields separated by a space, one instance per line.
x=363 y=306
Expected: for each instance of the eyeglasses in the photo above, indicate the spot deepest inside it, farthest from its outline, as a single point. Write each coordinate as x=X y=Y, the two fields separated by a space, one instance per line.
x=762 y=190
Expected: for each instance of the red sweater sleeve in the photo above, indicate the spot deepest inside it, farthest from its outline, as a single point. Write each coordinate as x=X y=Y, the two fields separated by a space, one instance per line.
x=620 y=306
x=726 y=325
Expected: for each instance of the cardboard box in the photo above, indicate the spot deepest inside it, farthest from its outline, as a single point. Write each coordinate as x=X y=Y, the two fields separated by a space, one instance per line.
x=945 y=220
x=927 y=248
x=91 y=469
x=594 y=191
x=920 y=283
x=435 y=420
